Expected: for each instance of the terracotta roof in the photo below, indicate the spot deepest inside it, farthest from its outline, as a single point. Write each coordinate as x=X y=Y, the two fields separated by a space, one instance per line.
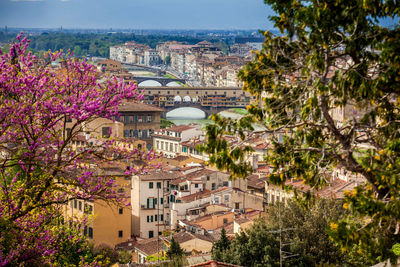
x=149 y=246
x=178 y=128
x=159 y=175
x=202 y=194
x=198 y=195
x=132 y=106
x=255 y=182
x=184 y=236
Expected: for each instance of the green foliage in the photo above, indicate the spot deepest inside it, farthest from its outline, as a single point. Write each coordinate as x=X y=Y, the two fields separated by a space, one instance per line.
x=105 y=255
x=124 y=256
x=174 y=250
x=303 y=231
x=331 y=58
x=164 y=123
x=167 y=60
x=220 y=247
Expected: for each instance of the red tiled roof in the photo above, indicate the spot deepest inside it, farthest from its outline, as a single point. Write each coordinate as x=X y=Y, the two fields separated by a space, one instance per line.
x=134 y=106
x=149 y=246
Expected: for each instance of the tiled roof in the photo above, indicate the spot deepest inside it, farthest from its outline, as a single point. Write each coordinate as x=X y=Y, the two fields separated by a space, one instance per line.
x=159 y=175
x=184 y=236
x=177 y=128
x=255 y=182
x=202 y=194
x=132 y=106
x=149 y=246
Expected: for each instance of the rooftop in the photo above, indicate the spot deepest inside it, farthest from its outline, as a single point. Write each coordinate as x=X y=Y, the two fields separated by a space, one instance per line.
x=131 y=106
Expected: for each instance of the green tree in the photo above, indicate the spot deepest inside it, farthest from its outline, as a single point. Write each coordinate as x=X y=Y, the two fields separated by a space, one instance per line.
x=332 y=56
x=219 y=248
x=174 y=250
x=255 y=247
x=167 y=60
x=308 y=238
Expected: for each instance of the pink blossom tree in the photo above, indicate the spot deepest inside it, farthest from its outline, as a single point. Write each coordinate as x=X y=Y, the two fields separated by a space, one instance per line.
x=39 y=171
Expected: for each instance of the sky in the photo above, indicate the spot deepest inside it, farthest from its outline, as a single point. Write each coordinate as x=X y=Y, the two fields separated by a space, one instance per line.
x=135 y=14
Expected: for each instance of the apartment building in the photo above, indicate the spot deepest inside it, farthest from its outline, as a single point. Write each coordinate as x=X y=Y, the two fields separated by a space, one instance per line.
x=168 y=141
x=107 y=223
x=150 y=202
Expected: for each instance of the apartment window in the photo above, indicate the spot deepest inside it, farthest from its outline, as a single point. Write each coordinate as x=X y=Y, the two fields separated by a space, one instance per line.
x=161 y=200
x=150 y=203
x=196 y=185
x=121 y=211
x=216 y=200
x=213 y=186
x=151 y=234
x=75 y=203
x=158 y=144
x=159 y=233
x=225 y=220
x=208 y=178
x=105 y=132
x=155 y=218
x=120 y=233
x=161 y=217
x=226 y=198
x=225 y=183
x=236 y=205
x=158 y=184
x=171 y=147
x=90 y=232
x=150 y=185
x=148 y=218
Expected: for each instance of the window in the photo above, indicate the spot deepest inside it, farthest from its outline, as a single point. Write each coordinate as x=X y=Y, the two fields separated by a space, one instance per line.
x=151 y=218
x=150 y=203
x=161 y=200
x=148 y=218
x=216 y=200
x=150 y=185
x=196 y=185
x=225 y=220
x=121 y=211
x=75 y=203
x=225 y=183
x=158 y=184
x=126 y=119
x=105 y=132
x=161 y=217
x=90 y=232
x=126 y=133
x=155 y=218
x=213 y=186
x=236 y=205
x=158 y=144
x=151 y=234
x=208 y=178
x=226 y=198
x=120 y=233
x=159 y=233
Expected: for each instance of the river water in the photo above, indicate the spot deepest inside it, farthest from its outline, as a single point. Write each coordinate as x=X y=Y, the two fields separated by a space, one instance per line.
x=184 y=115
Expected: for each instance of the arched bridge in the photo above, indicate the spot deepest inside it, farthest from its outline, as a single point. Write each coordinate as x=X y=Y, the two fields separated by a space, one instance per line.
x=208 y=99
x=162 y=80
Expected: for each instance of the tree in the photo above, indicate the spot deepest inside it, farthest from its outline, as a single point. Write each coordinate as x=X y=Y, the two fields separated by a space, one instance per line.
x=307 y=237
x=219 y=248
x=331 y=57
x=255 y=247
x=174 y=250
x=42 y=110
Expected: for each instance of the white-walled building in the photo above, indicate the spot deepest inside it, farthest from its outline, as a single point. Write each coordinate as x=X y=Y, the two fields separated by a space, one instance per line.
x=168 y=141
x=150 y=202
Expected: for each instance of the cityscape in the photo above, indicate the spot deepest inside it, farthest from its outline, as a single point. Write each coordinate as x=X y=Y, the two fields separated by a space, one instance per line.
x=123 y=144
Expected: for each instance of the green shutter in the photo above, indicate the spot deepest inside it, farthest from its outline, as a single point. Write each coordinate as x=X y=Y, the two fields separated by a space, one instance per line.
x=148 y=203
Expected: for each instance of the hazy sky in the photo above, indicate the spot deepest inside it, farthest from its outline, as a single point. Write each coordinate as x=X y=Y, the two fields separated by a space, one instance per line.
x=135 y=14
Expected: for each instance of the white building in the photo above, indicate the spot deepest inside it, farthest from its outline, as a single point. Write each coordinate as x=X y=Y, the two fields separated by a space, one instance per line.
x=167 y=141
x=150 y=202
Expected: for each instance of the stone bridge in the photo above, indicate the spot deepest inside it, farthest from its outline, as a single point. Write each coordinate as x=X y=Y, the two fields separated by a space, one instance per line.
x=162 y=80
x=209 y=99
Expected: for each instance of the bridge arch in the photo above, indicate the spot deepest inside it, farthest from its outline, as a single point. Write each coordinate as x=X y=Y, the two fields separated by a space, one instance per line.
x=187 y=99
x=186 y=113
x=150 y=83
x=174 y=84
x=178 y=98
